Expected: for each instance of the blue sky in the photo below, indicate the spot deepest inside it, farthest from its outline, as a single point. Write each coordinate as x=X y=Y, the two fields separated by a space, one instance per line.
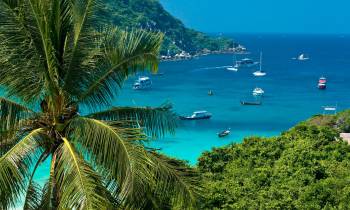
x=263 y=16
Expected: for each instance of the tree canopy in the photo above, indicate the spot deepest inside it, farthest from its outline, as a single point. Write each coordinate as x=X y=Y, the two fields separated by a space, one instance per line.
x=307 y=167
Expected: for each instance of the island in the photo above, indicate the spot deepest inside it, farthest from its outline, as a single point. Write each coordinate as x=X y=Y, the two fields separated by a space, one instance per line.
x=179 y=42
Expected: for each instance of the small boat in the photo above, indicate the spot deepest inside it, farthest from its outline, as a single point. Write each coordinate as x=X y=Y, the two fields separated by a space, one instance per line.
x=322 y=83
x=142 y=83
x=235 y=66
x=224 y=133
x=210 y=93
x=258 y=92
x=246 y=62
x=198 y=115
x=251 y=103
x=302 y=57
x=330 y=109
x=260 y=73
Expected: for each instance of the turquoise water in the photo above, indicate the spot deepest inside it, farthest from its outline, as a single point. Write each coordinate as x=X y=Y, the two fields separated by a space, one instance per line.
x=290 y=90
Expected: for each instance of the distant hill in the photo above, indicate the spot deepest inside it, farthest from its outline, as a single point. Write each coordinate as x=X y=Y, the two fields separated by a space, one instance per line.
x=150 y=14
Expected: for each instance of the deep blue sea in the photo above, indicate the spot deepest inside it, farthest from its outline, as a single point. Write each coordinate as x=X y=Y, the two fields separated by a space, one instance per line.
x=291 y=93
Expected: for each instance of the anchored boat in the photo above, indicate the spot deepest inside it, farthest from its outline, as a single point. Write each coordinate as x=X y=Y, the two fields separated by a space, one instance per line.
x=142 y=83
x=258 y=92
x=302 y=57
x=251 y=103
x=235 y=65
x=224 y=133
x=322 y=83
x=198 y=115
x=260 y=73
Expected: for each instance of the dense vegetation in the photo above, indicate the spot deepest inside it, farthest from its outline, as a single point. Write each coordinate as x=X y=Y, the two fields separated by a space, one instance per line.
x=304 y=168
x=149 y=14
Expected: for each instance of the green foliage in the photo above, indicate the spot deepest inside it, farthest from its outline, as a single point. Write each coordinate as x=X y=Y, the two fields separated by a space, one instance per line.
x=149 y=14
x=340 y=121
x=304 y=168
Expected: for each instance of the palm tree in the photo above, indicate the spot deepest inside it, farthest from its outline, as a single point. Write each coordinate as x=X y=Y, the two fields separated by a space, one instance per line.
x=57 y=56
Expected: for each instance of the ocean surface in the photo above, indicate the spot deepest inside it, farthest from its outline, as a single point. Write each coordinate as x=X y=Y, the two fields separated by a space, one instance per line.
x=291 y=93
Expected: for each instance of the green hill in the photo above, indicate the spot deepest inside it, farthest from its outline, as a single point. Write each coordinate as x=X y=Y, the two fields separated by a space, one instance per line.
x=150 y=14
x=306 y=167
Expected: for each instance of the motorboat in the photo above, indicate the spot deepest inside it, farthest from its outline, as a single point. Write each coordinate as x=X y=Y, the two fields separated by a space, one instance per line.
x=224 y=133
x=198 y=115
x=260 y=72
x=142 y=83
x=302 y=57
x=251 y=103
x=246 y=62
x=322 y=83
x=258 y=92
x=210 y=93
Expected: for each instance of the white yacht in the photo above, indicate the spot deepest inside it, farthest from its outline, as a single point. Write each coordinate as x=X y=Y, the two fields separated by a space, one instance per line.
x=258 y=92
x=198 y=115
x=142 y=83
x=235 y=65
x=260 y=73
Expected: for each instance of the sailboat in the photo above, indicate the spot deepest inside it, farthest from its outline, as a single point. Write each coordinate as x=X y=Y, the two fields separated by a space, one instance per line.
x=235 y=65
x=260 y=73
x=302 y=57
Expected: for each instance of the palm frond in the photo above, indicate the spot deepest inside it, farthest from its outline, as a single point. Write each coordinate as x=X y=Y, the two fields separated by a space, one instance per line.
x=12 y=116
x=80 y=186
x=155 y=121
x=15 y=168
x=34 y=191
x=41 y=17
x=18 y=54
x=176 y=181
x=33 y=197
x=107 y=148
x=12 y=113
x=129 y=170
x=83 y=48
x=125 y=53
x=49 y=199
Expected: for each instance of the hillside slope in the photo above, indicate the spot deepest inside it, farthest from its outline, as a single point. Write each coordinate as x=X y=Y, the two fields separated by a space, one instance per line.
x=304 y=168
x=150 y=14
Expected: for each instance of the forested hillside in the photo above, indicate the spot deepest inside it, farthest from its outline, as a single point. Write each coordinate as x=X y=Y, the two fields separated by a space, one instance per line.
x=307 y=167
x=150 y=14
